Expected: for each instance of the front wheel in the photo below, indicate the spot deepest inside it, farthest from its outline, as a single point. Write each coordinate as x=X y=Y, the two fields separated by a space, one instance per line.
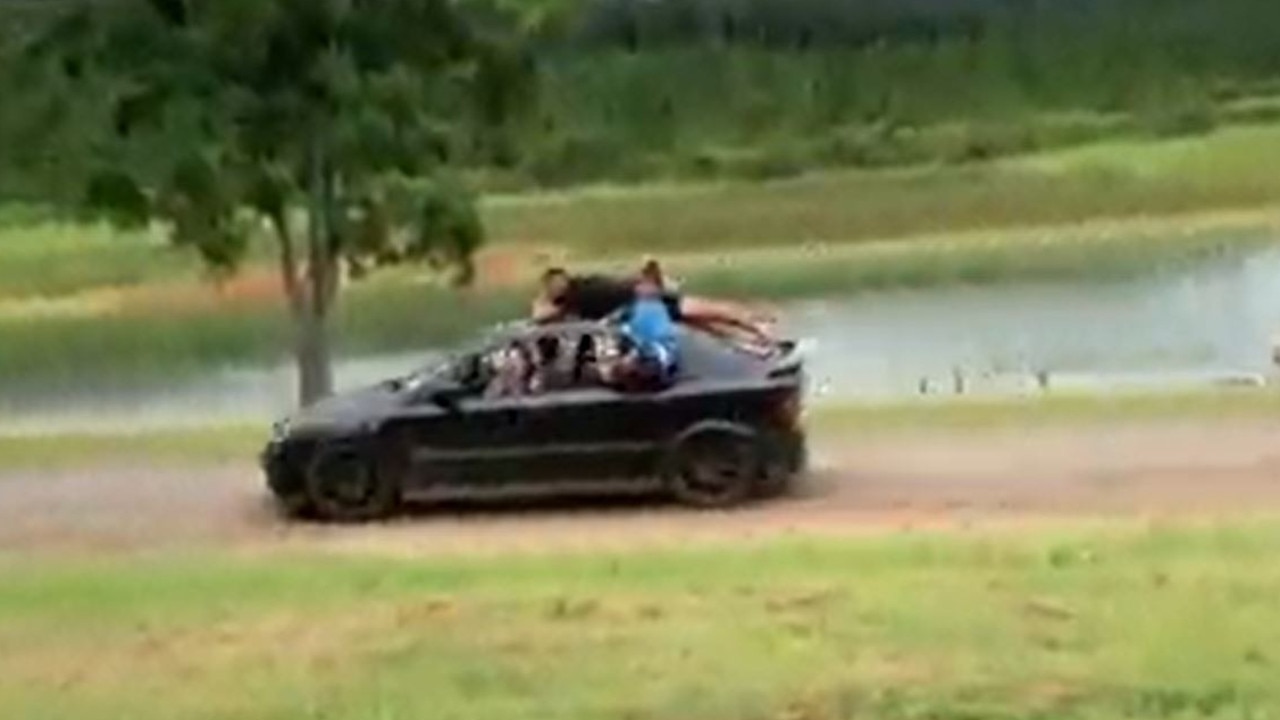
x=345 y=484
x=715 y=469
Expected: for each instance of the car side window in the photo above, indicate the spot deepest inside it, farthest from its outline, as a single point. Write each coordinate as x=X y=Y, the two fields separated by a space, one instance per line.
x=549 y=364
x=468 y=370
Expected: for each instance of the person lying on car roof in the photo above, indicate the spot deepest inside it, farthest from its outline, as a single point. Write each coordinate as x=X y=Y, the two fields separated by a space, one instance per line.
x=597 y=297
x=652 y=346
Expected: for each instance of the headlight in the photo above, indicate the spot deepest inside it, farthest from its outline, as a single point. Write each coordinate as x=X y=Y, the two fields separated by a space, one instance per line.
x=279 y=429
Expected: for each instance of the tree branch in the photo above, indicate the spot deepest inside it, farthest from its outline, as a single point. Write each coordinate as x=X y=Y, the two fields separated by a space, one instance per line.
x=317 y=232
x=288 y=264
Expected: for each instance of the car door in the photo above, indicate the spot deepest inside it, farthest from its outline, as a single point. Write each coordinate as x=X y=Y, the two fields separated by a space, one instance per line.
x=581 y=434
x=475 y=443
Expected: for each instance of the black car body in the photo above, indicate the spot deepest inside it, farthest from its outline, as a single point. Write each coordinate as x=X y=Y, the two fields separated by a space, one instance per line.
x=728 y=429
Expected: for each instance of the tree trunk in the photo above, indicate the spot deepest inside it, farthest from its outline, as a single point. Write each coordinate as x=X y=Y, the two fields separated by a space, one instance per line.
x=314 y=359
x=311 y=316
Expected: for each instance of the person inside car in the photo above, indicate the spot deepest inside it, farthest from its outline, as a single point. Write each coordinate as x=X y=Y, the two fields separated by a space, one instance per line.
x=597 y=297
x=552 y=368
x=510 y=372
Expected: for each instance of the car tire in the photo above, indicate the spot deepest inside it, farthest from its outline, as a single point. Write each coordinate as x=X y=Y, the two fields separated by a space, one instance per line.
x=346 y=485
x=288 y=490
x=780 y=469
x=295 y=506
x=715 y=469
x=774 y=481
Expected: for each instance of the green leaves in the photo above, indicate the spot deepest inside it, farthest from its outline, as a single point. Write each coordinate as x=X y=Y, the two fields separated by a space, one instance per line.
x=223 y=111
x=402 y=220
x=205 y=207
x=449 y=230
x=117 y=196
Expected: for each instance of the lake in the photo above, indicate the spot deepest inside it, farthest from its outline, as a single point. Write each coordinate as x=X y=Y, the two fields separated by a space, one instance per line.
x=1205 y=324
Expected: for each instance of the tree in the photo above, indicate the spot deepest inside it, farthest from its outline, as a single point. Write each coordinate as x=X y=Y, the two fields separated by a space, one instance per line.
x=328 y=125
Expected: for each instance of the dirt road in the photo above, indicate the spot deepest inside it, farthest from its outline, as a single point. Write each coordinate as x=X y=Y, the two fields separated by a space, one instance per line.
x=860 y=484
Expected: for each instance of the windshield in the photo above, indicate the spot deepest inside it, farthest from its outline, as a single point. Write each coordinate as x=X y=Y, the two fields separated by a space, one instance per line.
x=439 y=367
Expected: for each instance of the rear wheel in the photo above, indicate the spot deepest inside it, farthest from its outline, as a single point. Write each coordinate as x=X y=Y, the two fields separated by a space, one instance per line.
x=345 y=484
x=715 y=469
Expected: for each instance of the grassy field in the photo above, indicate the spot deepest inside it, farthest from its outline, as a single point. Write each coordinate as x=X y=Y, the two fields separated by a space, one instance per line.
x=240 y=443
x=1089 y=622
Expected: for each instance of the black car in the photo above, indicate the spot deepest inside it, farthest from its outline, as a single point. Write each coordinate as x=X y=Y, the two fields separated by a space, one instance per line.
x=728 y=429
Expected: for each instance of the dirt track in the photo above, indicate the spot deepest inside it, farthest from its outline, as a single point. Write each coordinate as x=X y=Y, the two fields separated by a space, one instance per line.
x=926 y=479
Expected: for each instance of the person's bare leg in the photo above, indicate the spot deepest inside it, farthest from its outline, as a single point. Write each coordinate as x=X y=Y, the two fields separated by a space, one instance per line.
x=704 y=312
x=745 y=340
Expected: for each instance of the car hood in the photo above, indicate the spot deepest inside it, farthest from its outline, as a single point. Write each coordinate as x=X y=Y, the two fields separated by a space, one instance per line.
x=349 y=410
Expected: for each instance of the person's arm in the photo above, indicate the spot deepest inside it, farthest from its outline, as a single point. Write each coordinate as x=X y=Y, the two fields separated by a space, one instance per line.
x=545 y=310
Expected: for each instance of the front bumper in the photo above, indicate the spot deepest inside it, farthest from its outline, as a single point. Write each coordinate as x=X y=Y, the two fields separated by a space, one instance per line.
x=283 y=470
x=795 y=449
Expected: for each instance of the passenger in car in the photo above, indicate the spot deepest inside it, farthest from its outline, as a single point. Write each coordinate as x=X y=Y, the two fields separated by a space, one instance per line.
x=551 y=366
x=511 y=369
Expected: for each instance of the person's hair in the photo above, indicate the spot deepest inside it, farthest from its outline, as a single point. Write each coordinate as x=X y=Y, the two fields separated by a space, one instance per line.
x=651 y=271
x=554 y=273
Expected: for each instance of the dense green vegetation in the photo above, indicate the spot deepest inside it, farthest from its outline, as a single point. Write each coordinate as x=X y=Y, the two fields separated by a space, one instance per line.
x=785 y=85
x=782 y=86
x=1083 y=623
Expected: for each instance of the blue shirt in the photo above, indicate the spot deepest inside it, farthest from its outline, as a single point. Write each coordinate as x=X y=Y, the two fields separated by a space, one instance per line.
x=649 y=325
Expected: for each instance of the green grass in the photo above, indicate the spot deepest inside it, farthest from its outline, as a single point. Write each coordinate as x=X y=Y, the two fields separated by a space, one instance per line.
x=47 y=258
x=240 y=443
x=1227 y=169
x=1101 y=622
x=181 y=448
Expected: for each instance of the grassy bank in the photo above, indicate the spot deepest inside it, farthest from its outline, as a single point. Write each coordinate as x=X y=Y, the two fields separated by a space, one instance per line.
x=240 y=443
x=1228 y=170
x=1084 y=623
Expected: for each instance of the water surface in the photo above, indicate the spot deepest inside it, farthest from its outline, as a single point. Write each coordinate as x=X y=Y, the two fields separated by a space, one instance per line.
x=1201 y=325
